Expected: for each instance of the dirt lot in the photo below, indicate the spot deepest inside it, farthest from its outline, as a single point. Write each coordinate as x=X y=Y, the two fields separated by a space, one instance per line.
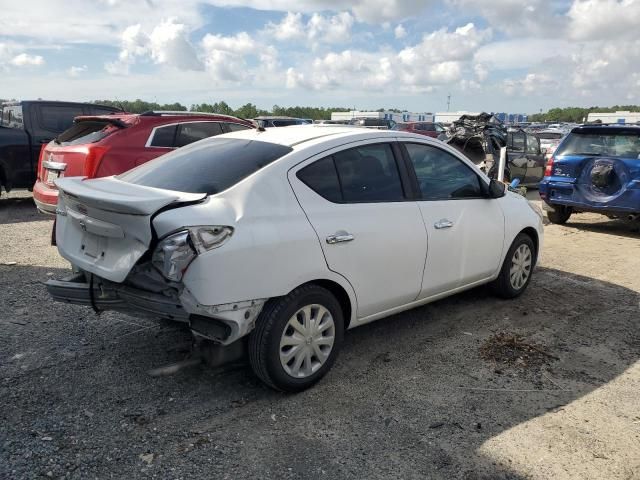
x=546 y=386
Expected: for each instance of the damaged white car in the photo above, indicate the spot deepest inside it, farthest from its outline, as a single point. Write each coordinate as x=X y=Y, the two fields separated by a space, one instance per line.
x=285 y=238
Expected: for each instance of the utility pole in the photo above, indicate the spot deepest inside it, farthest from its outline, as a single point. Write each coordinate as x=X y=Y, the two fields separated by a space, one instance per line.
x=448 y=101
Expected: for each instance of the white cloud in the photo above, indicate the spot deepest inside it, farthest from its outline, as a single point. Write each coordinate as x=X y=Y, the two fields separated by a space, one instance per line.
x=399 y=31
x=24 y=59
x=604 y=19
x=167 y=44
x=77 y=71
x=532 y=83
x=318 y=29
x=516 y=17
x=521 y=52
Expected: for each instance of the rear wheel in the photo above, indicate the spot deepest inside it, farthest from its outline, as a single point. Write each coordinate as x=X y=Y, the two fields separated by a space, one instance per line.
x=517 y=268
x=560 y=214
x=297 y=338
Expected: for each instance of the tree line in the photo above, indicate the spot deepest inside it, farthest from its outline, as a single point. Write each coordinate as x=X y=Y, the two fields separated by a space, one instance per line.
x=248 y=110
x=577 y=114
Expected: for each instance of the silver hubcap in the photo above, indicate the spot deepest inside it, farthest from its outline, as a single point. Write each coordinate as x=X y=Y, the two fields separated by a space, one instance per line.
x=307 y=341
x=520 y=266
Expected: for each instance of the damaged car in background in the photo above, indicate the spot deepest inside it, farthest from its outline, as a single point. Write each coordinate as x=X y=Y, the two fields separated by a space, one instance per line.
x=480 y=137
x=281 y=239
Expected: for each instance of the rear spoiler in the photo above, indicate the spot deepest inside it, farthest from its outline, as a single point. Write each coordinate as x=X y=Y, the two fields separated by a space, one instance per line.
x=101 y=118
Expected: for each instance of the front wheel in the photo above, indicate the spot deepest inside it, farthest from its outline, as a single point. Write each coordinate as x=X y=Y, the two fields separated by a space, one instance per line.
x=517 y=268
x=297 y=339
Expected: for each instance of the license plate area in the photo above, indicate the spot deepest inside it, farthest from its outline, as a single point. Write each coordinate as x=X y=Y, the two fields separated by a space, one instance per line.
x=93 y=246
x=52 y=175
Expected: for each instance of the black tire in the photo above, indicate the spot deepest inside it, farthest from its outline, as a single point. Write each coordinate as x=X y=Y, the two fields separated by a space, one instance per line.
x=502 y=285
x=560 y=215
x=264 y=340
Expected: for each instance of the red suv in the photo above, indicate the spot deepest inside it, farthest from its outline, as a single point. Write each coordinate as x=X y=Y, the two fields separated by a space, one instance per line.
x=423 y=128
x=104 y=145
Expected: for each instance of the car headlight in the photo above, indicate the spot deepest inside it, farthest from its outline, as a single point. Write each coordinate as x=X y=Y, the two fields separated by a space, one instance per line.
x=176 y=251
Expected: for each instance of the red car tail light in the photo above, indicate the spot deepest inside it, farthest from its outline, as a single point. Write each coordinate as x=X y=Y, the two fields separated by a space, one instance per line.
x=39 y=170
x=93 y=159
x=548 y=169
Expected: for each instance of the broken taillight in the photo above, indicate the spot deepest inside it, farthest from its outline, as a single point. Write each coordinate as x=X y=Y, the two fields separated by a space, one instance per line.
x=548 y=168
x=39 y=171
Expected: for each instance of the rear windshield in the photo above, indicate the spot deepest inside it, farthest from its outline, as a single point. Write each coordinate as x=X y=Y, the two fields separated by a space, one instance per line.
x=86 y=132
x=549 y=135
x=209 y=166
x=625 y=145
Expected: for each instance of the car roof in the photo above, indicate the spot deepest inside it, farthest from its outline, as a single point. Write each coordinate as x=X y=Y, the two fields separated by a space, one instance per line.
x=163 y=118
x=296 y=135
x=607 y=128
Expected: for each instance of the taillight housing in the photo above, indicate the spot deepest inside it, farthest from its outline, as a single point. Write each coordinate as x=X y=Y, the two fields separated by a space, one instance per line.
x=93 y=159
x=548 y=168
x=39 y=170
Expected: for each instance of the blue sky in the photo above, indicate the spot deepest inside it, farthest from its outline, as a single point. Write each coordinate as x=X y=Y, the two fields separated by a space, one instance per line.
x=500 y=55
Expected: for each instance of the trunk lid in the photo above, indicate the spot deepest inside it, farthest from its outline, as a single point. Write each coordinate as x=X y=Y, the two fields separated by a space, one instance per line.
x=103 y=225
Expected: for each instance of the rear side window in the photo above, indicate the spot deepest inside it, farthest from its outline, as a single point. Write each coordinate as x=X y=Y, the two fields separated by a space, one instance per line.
x=515 y=141
x=441 y=176
x=235 y=127
x=86 y=132
x=194 y=131
x=57 y=118
x=164 y=136
x=322 y=178
x=210 y=166
x=532 y=144
x=364 y=174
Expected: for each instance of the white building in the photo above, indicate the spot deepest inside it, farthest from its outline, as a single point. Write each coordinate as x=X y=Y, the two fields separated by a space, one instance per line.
x=449 y=117
x=386 y=115
x=614 y=117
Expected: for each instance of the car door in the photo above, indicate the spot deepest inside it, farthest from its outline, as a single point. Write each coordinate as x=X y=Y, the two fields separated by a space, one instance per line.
x=370 y=231
x=516 y=155
x=465 y=229
x=535 y=161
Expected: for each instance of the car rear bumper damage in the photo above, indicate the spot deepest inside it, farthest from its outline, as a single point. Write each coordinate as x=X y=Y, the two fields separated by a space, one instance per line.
x=222 y=324
x=569 y=194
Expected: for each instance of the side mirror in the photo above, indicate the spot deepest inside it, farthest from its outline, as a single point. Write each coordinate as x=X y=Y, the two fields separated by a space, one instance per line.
x=496 y=189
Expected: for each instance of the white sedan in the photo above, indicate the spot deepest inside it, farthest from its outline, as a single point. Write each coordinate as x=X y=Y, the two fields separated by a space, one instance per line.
x=287 y=237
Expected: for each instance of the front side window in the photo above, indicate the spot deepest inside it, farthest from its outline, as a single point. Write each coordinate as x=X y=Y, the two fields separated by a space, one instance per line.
x=210 y=166
x=192 y=132
x=441 y=176
x=367 y=174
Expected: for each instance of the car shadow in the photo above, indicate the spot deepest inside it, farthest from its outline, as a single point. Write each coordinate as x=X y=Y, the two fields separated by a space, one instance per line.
x=617 y=227
x=19 y=209
x=410 y=396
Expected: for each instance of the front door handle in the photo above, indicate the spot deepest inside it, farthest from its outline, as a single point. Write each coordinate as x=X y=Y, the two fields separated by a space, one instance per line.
x=339 y=237
x=444 y=223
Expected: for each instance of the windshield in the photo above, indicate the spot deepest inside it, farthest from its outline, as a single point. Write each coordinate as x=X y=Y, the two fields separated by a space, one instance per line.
x=208 y=166
x=625 y=145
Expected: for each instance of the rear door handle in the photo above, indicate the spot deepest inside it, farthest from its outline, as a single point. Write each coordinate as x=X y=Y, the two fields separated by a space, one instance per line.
x=339 y=237
x=444 y=223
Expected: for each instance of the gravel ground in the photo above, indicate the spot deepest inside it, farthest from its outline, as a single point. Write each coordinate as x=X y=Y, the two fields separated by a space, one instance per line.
x=412 y=396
